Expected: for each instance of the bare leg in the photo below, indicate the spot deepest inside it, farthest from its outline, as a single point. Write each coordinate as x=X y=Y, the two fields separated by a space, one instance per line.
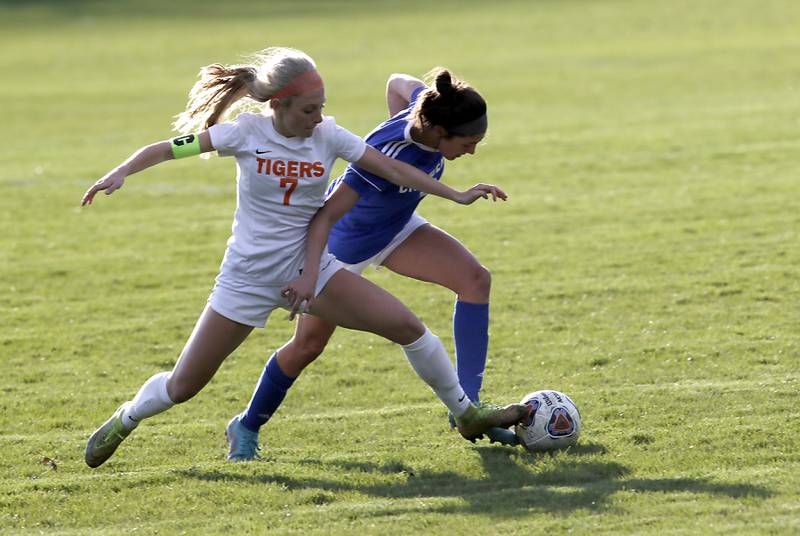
x=420 y=256
x=423 y=254
x=347 y=299
x=311 y=335
x=350 y=301
x=214 y=338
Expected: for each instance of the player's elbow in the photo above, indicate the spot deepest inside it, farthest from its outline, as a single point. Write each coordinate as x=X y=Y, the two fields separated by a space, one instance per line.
x=326 y=217
x=393 y=80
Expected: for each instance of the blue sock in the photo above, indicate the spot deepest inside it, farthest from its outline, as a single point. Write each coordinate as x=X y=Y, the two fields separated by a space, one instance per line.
x=269 y=394
x=471 y=332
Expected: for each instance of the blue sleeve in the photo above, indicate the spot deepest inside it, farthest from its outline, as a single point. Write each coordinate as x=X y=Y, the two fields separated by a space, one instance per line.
x=363 y=182
x=415 y=94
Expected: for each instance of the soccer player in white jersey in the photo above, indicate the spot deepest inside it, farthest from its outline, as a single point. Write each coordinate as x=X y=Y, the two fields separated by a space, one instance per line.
x=283 y=159
x=377 y=225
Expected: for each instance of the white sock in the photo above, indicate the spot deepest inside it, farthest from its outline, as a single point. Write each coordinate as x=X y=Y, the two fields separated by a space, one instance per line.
x=151 y=399
x=431 y=363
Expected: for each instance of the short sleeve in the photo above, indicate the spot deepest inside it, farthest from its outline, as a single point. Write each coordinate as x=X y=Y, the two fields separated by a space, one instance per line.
x=415 y=94
x=347 y=145
x=227 y=138
x=365 y=185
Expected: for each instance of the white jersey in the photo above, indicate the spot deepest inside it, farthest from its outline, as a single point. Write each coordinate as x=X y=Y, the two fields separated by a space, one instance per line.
x=281 y=184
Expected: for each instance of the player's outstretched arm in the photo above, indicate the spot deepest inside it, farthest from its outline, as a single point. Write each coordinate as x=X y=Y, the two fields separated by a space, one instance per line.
x=399 y=88
x=404 y=174
x=149 y=156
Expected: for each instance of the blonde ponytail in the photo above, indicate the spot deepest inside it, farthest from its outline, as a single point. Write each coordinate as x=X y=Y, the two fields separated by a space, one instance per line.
x=220 y=87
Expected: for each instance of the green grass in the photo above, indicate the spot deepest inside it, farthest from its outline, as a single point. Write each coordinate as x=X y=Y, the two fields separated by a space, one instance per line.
x=647 y=264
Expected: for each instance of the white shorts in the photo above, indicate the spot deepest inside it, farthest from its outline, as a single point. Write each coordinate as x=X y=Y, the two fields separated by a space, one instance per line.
x=376 y=260
x=252 y=304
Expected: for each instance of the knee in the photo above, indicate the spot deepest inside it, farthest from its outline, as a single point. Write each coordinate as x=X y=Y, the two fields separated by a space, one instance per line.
x=477 y=283
x=409 y=328
x=302 y=352
x=484 y=280
x=180 y=390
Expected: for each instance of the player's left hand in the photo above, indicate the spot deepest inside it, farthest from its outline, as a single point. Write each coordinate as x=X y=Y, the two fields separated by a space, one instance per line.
x=300 y=293
x=111 y=182
x=480 y=191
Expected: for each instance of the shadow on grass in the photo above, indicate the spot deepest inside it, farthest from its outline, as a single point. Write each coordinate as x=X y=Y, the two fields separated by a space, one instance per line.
x=515 y=483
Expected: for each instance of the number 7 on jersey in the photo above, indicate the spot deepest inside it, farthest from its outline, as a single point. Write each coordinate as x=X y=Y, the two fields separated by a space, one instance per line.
x=291 y=183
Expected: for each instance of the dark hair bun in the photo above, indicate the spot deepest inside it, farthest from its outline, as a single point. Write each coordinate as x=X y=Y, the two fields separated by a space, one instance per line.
x=448 y=102
x=444 y=83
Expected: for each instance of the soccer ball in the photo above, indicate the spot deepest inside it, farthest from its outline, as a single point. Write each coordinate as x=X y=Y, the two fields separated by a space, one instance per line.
x=554 y=421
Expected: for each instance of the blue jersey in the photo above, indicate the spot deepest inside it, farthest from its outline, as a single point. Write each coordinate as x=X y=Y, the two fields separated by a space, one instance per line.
x=383 y=208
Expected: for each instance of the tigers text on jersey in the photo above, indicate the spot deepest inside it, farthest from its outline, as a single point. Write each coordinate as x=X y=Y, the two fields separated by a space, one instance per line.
x=383 y=208
x=281 y=184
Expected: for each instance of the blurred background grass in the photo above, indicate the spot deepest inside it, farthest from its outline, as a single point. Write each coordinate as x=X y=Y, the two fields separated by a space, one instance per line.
x=646 y=264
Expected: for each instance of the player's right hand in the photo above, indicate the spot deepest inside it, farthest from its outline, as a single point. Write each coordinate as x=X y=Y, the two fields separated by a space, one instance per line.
x=300 y=293
x=112 y=182
x=480 y=190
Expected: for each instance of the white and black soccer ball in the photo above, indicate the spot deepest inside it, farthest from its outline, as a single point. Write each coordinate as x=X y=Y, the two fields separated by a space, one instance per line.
x=554 y=421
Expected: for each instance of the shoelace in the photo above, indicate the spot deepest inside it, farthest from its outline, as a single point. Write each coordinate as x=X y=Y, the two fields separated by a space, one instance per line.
x=489 y=406
x=111 y=436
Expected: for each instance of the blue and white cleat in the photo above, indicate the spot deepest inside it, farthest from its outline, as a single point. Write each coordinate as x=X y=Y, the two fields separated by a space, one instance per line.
x=243 y=442
x=503 y=436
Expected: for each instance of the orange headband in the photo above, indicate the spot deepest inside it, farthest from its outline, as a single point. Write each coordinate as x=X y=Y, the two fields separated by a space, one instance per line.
x=307 y=81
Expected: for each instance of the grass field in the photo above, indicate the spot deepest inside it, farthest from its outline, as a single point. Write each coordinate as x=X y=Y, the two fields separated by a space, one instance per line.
x=647 y=264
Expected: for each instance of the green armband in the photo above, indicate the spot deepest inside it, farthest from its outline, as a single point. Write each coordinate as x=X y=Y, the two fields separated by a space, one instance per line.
x=183 y=146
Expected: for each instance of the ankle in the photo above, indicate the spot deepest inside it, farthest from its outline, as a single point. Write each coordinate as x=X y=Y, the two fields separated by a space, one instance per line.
x=469 y=412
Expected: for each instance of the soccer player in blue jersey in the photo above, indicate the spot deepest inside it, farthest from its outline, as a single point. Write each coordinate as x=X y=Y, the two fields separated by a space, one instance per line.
x=377 y=225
